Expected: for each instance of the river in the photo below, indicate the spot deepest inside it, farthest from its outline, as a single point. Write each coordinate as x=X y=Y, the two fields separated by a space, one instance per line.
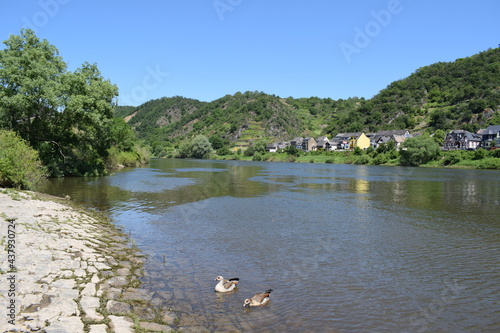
x=345 y=248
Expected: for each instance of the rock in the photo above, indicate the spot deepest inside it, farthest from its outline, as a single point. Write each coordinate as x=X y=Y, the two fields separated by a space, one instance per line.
x=60 y=306
x=90 y=305
x=154 y=327
x=101 y=266
x=118 y=281
x=169 y=317
x=115 y=307
x=144 y=313
x=137 y=294
x=111 y=293
x=123 y=272
x=95 y=279
x=121 y=324
x=66 y=324
x=101 y=328
x=89 y=289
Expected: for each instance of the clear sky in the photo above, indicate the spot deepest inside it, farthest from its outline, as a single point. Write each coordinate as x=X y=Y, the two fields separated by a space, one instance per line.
x=205 y=49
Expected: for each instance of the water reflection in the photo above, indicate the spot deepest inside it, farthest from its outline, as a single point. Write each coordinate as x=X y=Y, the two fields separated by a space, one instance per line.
x=345 y=248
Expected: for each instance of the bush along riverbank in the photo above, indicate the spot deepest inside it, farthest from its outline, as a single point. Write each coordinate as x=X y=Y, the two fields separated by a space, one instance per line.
x=67 y=270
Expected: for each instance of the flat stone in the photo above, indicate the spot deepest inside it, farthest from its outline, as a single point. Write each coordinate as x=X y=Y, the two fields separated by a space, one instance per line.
x=137 y=294
x=118 y=281
x=154 y=327
x=93 y=315
x=64 y=284
x=111 y=293
x=121 y=324
x=92 y=269
x=118 y=308
x=95 y=279
x=66 y=274
x=89 y=302
x=169 y=317
x=123 y=272
x=60 y=306
x=100 y=328
x=89 y=290
x=66 y=325
x=144 y=313
x=101 y=266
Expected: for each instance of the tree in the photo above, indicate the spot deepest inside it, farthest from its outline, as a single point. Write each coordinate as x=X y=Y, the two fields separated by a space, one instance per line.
x=200 y=147
x=419 y=150
x=439 y=137
x=31 y=73
x=66 y=116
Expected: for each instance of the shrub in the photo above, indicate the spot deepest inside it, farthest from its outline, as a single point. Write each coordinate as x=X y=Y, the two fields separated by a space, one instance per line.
x=363 y=159
x=495 y=153
x=380 y=159
x=257 y=156
x=451 y=158
x=20 y=166
x=489 y=163
x=479 y=154
x=419 y=150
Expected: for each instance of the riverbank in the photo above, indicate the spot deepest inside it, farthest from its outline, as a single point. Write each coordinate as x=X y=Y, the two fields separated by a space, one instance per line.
x=64 y=269
x=456 y=159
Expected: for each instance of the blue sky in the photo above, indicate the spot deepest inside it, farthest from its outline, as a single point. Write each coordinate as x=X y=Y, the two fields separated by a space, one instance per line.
x=205 y=49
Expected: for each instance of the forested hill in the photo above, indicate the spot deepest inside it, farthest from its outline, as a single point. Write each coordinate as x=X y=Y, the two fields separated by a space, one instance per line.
x=248 y=116
x=444 y=95
x=461 y=94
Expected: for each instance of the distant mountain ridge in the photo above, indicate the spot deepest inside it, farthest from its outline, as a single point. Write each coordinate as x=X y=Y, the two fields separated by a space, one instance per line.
x=464 y=94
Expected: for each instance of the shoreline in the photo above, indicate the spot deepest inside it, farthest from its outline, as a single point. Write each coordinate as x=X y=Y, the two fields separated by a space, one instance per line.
x=64 y=269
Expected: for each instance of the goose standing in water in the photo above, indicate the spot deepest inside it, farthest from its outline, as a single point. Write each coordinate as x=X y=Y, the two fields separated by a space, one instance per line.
x=258 y=299
x=225 y=285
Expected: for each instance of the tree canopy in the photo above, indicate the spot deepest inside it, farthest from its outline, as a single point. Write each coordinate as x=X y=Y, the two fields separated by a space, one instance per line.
x=66 y=116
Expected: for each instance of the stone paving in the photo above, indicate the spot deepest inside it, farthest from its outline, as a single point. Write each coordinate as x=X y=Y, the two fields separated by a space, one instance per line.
x=63 y=270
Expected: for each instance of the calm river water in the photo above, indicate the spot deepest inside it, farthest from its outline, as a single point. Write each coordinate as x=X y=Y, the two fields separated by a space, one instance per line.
x=345 y=248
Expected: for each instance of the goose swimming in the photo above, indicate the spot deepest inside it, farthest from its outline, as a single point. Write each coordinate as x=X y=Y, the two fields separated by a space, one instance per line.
x=258 y=299
x=225 y=285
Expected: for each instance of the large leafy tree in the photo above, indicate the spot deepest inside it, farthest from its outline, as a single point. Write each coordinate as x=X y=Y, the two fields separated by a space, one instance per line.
x=66 y=116
x=30 y=85
x=419 y=150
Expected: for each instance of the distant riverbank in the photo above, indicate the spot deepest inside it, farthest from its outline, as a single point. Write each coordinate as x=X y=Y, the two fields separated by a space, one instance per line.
x=65 y=270
x=456 y=159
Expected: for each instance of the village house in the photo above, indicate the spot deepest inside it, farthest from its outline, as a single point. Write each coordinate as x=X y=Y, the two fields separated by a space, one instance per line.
x=340 y=141
x=383 y=137
x=490 y=137
x=276 y=146
x=323 y=143
x=309 y=144
x=272 y=148
x=460 y=139
x=297 y=142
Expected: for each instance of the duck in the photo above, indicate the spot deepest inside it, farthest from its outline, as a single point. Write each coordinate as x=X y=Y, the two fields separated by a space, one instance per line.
x=259 y=299
x=226 y=285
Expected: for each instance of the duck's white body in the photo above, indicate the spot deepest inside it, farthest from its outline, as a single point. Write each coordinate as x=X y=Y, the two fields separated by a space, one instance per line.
x=259 y=299
x=226 y=285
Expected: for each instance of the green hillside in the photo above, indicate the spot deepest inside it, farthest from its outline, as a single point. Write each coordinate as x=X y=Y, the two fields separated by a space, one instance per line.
x=446 y=95
x=462 y=94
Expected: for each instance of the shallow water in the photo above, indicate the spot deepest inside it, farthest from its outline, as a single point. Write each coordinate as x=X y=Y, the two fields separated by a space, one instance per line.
x=345 y=248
